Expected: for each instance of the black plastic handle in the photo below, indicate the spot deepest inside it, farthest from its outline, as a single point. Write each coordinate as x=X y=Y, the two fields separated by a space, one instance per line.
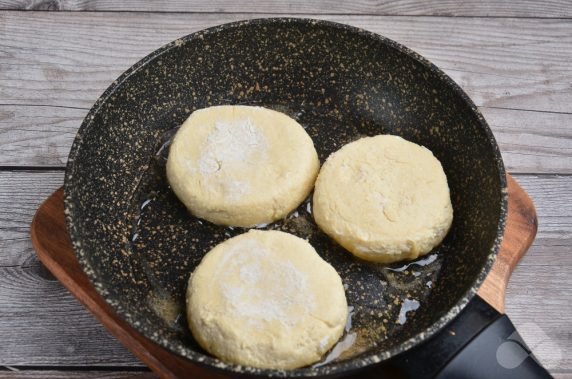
x=478 y=344
x=497 y=352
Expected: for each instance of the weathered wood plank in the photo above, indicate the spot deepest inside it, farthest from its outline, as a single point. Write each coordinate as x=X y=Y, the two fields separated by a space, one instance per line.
x=54 y=374
x=28 y=292
x=68 y=335
x=68 y=59
x=552 y=196
x=42 y=324
x=37 y=136
x=538 y=303
x=520 y=8
x=531 y=142
x=22 y=192
x=20 y=195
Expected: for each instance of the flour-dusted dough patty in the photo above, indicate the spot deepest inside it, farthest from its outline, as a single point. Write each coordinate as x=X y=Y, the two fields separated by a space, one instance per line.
x=241 y=165
x=266 y=299
x=384 y=199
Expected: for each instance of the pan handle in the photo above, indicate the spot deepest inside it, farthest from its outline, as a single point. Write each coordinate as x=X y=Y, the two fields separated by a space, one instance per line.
x=496 y=352
x=480 y=343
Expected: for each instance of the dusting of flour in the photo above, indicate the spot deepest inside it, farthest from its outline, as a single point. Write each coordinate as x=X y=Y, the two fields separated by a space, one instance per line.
x=231 y=143
x=232 y=146
x=261 y=288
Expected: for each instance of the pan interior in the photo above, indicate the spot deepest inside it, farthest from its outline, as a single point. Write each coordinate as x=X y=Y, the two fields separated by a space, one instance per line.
x=137 y=242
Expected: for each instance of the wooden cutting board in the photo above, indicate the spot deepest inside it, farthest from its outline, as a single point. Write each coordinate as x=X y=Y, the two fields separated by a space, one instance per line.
x=53 y=247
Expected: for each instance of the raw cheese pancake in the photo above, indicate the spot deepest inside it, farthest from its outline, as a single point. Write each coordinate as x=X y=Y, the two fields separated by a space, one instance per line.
x=266 y=299
x=241 y=165
x=384 y=199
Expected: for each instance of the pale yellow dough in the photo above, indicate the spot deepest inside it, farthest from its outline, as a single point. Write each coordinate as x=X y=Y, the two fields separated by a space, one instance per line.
x=241 y=165
x=384 y=199
x=266 y=299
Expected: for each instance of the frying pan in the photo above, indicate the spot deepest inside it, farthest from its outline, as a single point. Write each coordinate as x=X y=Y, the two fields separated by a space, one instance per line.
x=138 y=244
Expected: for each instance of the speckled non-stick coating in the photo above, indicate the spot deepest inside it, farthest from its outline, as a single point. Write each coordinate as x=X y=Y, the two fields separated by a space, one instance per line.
x=137 y=243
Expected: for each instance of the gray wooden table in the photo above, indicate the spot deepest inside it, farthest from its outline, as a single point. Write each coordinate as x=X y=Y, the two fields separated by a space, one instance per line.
x=513 y=57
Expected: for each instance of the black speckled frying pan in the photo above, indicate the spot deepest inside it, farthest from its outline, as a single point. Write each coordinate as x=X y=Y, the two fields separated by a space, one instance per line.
x=138 y=244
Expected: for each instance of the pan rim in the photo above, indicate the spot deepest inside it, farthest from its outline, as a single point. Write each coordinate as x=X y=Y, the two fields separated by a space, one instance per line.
x=337 y=368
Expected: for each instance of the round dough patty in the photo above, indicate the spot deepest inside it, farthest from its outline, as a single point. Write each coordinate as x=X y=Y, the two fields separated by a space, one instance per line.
x=266 y=299
x=241 y=165
x=384 y=199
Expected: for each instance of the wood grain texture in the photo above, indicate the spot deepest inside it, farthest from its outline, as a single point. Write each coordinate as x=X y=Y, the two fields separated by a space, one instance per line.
x=21 y=192
x=520 y=8
x=531 y=142
x=54 y=374
x=538 y=303
x=68 y=59
x=517 y=70
x=520 y=231
x=37 y=136
x=42 y=324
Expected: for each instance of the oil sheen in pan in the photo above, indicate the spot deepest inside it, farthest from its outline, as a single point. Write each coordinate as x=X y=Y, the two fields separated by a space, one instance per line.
x=169 y=243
